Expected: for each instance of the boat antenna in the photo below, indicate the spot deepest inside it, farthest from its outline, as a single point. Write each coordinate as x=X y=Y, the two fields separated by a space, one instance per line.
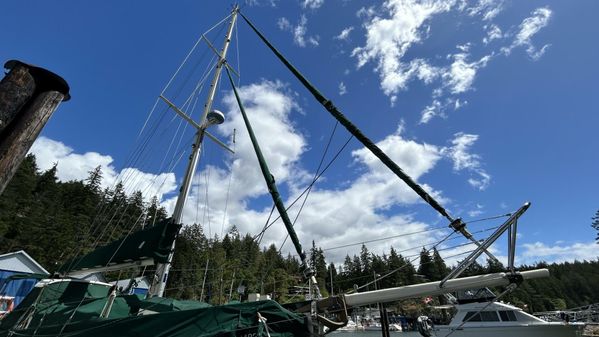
x=208 y=118
x=455 y=223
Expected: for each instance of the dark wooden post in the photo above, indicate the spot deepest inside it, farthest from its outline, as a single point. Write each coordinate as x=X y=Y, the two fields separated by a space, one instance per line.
x=28 y=97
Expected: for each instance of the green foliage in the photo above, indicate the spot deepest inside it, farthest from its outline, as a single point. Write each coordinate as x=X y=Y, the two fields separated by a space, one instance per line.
x=595 y=223
x=54 y=221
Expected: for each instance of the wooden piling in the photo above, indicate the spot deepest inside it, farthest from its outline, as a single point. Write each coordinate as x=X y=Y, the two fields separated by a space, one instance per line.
x=28 y=97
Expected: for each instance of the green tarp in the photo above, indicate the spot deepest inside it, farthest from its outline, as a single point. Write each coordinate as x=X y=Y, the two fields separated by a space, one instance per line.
x=153 y=242
x=73 y=309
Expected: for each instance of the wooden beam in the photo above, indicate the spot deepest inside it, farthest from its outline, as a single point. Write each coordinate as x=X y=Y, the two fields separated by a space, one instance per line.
x=28 y=97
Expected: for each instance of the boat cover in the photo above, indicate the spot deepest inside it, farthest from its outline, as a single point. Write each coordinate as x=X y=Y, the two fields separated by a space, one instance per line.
x=151 y=243
x=73 y=309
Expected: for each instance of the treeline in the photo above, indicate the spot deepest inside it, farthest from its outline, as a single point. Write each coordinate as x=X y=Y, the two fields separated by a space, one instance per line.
x=54 y=221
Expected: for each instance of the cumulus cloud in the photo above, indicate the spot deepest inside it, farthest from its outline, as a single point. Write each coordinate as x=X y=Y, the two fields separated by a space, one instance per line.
x=460 y=75
x=478 y=210
x=76 y=166
x=284 y=24
x=312 y=4
x=528 y=28
x=558 y=252
x=268 y=105
x=342 y=89
x=438 y=107
x=331 y=217
x=493 y=33
x=394 y=28
x=488 y=9
x=463 y=159
x=389 y=38
x=299 y=31
x=355 y=212
x=344 y=35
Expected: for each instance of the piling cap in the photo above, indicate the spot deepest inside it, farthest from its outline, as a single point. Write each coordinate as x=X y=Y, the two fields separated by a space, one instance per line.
x=45 y=80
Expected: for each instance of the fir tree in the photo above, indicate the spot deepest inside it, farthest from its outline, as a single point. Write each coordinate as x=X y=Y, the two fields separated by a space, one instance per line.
x=440 y=269
x=426 y=267
x=595 y=224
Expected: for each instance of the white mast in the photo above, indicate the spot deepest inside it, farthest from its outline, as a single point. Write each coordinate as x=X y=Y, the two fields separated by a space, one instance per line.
x=208 y=118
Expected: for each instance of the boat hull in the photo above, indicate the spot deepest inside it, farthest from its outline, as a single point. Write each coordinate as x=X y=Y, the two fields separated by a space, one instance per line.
x=540 y=330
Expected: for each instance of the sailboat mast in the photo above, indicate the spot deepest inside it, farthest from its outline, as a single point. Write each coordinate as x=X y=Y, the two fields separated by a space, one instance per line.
x=161 y=275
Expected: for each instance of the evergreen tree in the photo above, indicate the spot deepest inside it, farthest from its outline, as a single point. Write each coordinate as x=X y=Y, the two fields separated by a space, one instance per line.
x=427 y=268
x=440 y=269
x=365 y=260
x=595 y=224
x=494 y=266
x=155 y=213
x=94 y=179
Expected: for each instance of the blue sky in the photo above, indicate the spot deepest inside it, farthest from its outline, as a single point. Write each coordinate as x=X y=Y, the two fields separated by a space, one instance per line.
x=488 y=103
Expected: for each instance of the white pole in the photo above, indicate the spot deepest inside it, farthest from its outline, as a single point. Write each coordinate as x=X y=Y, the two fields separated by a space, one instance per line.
x=433 y=288
x=162 y=269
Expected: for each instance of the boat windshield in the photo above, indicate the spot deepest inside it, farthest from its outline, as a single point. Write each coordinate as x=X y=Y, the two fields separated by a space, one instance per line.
x=474 y=295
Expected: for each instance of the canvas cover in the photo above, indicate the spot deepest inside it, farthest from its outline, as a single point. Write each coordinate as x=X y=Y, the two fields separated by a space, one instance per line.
x=151 y=243
x=73 y=309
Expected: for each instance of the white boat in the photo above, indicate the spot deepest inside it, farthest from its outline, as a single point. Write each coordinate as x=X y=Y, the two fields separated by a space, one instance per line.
x=497 y=319
x=351 y=327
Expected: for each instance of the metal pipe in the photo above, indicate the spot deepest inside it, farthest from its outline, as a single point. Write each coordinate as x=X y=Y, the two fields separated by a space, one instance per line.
x=434 y=288
x=161 y=275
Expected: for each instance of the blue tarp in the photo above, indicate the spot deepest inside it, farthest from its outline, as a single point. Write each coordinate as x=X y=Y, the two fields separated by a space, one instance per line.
x=15 y=288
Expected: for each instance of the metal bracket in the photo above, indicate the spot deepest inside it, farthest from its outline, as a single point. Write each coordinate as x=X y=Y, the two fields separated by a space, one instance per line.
x=510 y=224
x=195 y=124
x=459 y=226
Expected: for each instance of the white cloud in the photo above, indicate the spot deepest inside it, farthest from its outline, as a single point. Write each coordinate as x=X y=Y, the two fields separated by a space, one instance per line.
x=299 y=32
x=538 y=251
x=344 y=35
x=268 y=106
x=437 y=107
x=493 y=33
x=284 y=24
x=488 y=9
x=460 y=75
x=75 y=166
x=356 y=212
x=312 y=4
x=528 y=28
x=331 y=217
x=458 y=78
x=463 y=159
x=271 y=3
x=366 y=13
x=388 y=39
x=478 y=210
x=342 y=89
x=430 y=111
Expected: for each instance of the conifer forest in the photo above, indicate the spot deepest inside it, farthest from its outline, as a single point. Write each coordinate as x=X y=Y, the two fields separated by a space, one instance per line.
x=54 y=221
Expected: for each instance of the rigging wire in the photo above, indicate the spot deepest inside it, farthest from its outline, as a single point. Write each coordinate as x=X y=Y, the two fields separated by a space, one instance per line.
x=134 y=176
x=306 y=189
x=228 y=187
x=313 y=181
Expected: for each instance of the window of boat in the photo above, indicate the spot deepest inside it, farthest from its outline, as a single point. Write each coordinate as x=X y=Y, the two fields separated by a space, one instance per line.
x=483 y=316
x=472 y=316
x=507 y=316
